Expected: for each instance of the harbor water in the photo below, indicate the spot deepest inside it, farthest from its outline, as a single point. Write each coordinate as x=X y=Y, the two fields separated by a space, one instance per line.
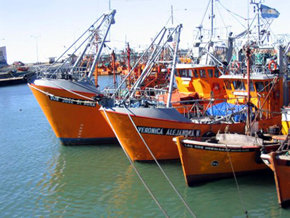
x=41 y=177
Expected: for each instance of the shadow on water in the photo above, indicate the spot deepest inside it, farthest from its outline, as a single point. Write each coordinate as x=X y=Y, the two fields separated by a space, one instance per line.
x=264 y=177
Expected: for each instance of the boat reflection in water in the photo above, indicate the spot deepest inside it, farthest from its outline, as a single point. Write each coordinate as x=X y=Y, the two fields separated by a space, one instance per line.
x=78 y=180
x=74 y=178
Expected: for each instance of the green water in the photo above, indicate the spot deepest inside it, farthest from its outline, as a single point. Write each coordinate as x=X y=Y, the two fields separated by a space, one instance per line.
x=40 y=177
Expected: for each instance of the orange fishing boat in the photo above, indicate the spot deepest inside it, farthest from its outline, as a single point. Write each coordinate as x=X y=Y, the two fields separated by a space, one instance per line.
x=158 y=126
x=67 y=92
x=221 y=156
x=72 y=111
x=142 y=126
x=110 y=66
x=279 y=162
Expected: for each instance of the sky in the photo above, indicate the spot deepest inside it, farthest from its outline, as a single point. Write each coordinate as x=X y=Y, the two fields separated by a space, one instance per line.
x=38 y=29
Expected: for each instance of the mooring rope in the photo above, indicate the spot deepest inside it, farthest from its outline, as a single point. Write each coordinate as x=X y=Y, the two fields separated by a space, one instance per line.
x=161 y=169
x=136 y=170
x=236 y=181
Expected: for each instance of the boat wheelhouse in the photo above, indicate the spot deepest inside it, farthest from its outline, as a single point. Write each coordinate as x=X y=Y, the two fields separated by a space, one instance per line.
x=201 y=79
x=266 y=91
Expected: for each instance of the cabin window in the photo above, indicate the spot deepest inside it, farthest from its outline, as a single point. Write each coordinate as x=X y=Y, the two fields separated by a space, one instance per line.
x=252 y=86
x=259 y=86
x=176 y=73
x=239 y=85
x=216 y=73
x=202 y=73
x=228 y=85
x=210 y=73
x=183 y=73
x=190 y=74
x=195 y=73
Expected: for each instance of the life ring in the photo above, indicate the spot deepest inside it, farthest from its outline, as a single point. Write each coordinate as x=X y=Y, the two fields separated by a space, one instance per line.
x=272 y=66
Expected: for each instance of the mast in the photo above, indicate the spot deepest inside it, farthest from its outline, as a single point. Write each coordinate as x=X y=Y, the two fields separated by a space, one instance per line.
x=113 y=56
x=177 y=35
x=128 y=56
x=110 y=19
x=248 y=52
x=258 y=18
x=211 y=20
x=172 y=14
x=258 y=13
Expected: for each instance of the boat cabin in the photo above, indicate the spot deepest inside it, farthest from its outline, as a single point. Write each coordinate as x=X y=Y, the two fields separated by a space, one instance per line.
x=200 y=79
x=266 y=91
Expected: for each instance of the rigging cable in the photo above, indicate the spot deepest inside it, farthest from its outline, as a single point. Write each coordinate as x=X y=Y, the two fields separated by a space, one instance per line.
x=233 y=13
x=136 y=170
x=236 y=181
x=221 y=18
x=161 y=169
x=205 y=13
x=77 y=40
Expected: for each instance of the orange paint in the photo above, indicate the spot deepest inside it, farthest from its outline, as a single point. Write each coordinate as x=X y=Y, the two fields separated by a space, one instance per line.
x=73 y=124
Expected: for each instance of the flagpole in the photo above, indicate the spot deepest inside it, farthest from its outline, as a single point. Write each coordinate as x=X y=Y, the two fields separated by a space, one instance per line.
x=258 y=11
x=258 y=15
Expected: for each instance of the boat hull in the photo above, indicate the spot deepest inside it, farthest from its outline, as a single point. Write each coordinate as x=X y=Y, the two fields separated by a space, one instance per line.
x=203 y=161
x=157 y=131
x=281 y=169
x=74 y=119
x=158 y=126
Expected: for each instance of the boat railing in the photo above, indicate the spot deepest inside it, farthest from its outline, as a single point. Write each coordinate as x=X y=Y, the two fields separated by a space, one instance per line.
x=207 y=111
x=66 y=72
x=149 y=93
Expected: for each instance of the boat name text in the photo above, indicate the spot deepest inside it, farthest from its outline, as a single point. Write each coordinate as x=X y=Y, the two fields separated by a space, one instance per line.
x=72 y=101
x=168 y=131
x=210 y=148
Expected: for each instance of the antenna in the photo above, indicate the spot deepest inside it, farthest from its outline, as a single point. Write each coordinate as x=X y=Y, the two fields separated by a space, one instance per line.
x=172 y=14
x=211 y=17
x=258 y=4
